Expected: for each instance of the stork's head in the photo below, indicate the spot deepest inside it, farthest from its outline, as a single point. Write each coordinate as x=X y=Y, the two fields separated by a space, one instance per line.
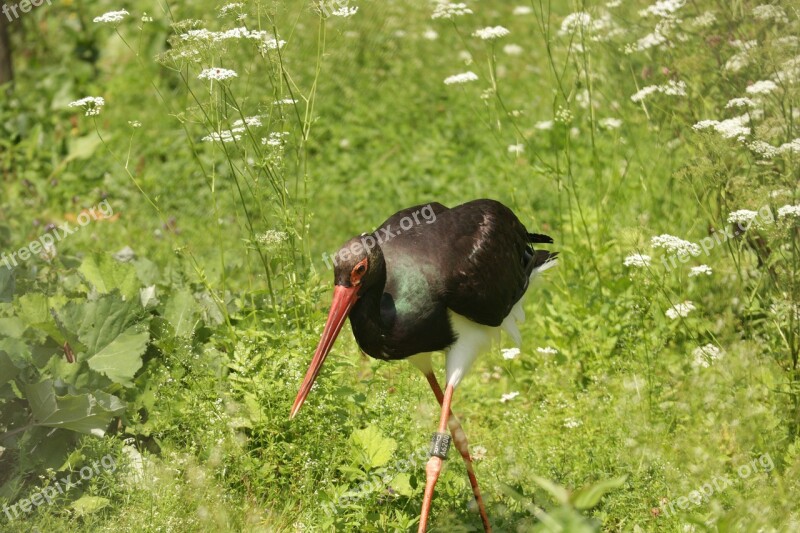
x=358 y=266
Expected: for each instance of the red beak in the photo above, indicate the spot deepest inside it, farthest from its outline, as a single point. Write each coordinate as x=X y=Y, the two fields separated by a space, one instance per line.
x=343 y=300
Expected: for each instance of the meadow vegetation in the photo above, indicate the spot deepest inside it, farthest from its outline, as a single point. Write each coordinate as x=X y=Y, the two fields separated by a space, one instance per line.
x=236 y=146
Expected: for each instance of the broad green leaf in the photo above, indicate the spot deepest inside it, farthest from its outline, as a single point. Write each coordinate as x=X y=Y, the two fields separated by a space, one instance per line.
x=401 y=484
x=588 y=497
x=181 y=311
x=89 y=504
x=558 y=492
x=82 y=147
x=32 y=308
x=120 y=359
x=8 y=370
x=6 y=284
x=85 y=413
x=105 y=274
x=99 y=322
x=376 y=449
x=11 y=327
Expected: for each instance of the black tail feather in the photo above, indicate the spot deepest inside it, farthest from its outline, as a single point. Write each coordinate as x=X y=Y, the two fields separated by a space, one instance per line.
x=539 y=238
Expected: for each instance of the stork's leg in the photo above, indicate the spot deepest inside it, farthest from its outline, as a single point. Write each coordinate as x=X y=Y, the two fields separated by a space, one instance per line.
x=434 y=466
x=460 y=440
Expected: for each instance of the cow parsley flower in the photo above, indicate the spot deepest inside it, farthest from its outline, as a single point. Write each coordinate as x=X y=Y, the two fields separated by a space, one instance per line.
x=675 y=244
x=544 y=125
x=344 y=12
x=464 y=77
x=517 y=149
x=770 y=12
x=610 y=123
x=547 y=350
x=512 y=49
x=508 y=397
x=730 y=128
x=789 y=211
x=92 y=104
x=705 y=355
x=762 y=87
x=637 y=260
x=510 y=353
x=680 y=310
x=671 y=88
x=286 y=101
x=663 y=8
x=227 y=8
x=430 y=35
x=740 y=102
x=490 y=33
x=276 y=138
x=575 y=22
x=791 y=146
x=449 y=10
x=742 y=217
x=764 y=149
x=224 y=136
x=700 y=270
x=217 y=74
x=522 y=10
x=112 y=16
x=272 y=238
x=572 y=423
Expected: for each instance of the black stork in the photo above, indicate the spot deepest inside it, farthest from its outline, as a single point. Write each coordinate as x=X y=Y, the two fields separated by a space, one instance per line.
x=430 y=279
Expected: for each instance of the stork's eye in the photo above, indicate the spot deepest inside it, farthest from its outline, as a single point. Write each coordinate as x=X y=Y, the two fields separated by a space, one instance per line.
x=360 y=269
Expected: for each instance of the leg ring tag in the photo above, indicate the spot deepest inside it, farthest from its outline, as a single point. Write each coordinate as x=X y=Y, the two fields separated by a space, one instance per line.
x=440 y=444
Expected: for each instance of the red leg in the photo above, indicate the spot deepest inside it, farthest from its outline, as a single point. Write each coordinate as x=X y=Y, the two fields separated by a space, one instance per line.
x=460 y=440
x=434 y=466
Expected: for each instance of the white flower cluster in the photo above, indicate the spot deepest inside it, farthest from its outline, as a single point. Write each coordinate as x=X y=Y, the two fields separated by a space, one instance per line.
x=675 y=244
x=671 y=88
x=92 y=104
x=764 y=149
x=345 y=12
x=272 y=237
x=791 y=146
x=740 y=102
x=235 y=133
x=762 y=87
x=663 y=8
x=276 y=138
x=610 y=123
x=680 y=310
x=789 y=211
x=770 y=12
x=449 y=10
x=705 y=355
x=464 y=77
x=522 y=10
x=547 y=350
x=207 y=36
x=490 y=33
x=637 y=260
x=112 y=16
x=517 y=149
x=573 y=22
x=508 y=397
x=700 y=270
x=510 y=353
x=742 y=217
x=572 y=423
x=227 y=8
x=730 y=128
x=217 y=74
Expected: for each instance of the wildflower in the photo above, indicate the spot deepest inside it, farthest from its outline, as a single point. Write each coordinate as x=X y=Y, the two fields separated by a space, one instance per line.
x=544 y=125
x=344 y=12
x=792 y=146
x=730 y=128
x=522 y=10
x=92 y=104
x=637 y=260
x=742 y=217
x=572 y=423
x=449 y=10
x=286 y=101
x=675 y=244
x=610 y=123
x=224 y=136
x=680 y=310
x=276 y=138
x=789 y=211
x=770 y=12
x=464 y=77
x=227 y=8
x=700 y=270
x=430 y=35
x=478 y=453
x=563 y=115
x=510 y=353
x=671 y=88
x=134 y=124
x=112 y=16
x=575 y=22
x=217 y=74
x=663 y=8
x=490 y=33
x=613 y=3
x=762 y=87
x=272 y=237
x=516 y=149
x=764 y=149
x=253 y=122
x=512 y=49
x=705 y=355
x=740 y=102
x=547 y=350
x=508 y=397
x=706 y=19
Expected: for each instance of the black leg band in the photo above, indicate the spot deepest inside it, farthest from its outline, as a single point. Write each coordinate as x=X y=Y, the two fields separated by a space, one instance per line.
x=440 y=444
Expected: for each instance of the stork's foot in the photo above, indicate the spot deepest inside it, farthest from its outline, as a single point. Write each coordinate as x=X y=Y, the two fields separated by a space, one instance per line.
x=432 y=471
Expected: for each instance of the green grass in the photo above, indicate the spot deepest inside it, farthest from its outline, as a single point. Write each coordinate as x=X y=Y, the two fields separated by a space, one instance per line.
x=208 y=365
